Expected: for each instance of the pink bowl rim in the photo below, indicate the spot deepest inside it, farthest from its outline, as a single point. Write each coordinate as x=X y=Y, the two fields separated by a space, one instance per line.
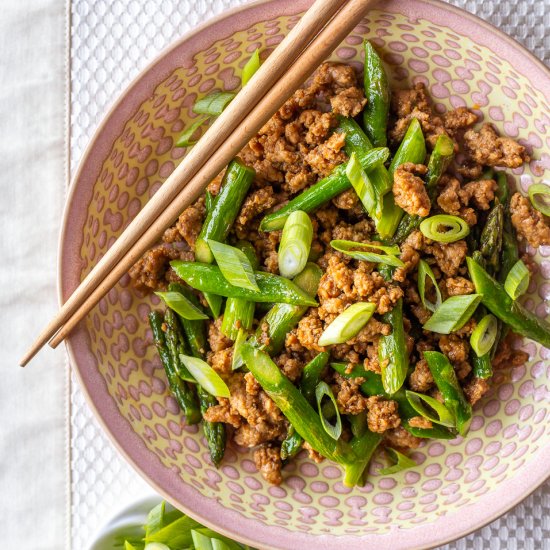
x=449 y=527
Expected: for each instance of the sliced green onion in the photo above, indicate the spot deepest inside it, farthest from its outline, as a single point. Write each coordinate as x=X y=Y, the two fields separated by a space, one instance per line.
x=186 y=139
x=130 y=546
x=234 y=265
x=363 y=186
x=213 y=104
x=347 y=324
x=238 y=361
x=365 y=251
x=453 y=314
x=484 y=335
x=182 y=306
x=211 y=540
x=401 y=462
x=334 y=430
x=517 y=281
x=539 y=195
x=444 y=228
x=205 y=376
x=424 y=270
x=440 y=415
x=295 y=244
x=252 y=65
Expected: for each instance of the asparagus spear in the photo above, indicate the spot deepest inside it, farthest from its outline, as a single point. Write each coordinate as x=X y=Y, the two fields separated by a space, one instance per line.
x=220 y=217
x=445 y=379
x=176 y=344
x=282 y=318
x=292 y=444
x=363 y=446
x=392 y=351
x=441 y=157
x=323 y=191
x=208 y=278
x=195 y=333
x=509 y=311
x=183 y=394
x=377 y=91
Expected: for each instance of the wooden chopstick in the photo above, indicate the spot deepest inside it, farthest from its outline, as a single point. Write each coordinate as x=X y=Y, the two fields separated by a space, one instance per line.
x=265 y=78
x=342 y=24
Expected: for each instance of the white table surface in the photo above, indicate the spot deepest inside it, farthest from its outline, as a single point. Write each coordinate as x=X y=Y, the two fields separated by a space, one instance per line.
x=60 y=477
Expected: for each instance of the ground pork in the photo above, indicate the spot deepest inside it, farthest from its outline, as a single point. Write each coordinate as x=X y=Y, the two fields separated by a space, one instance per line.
x=401 y=439
x=458 y=286
x=256 y=203
x=291 y=365
x=221 y=361
x=506 y=356
x=414 y=103
x=420 y=422
x=382 y=415
x=475 y=389
x=217 y=340
x=267 y=459
x=530 y=224
x=148 y=273
x=448 y=256
x=455 y=348
x=421 y=379
x=410 y=191
x=458 y=119
x=452 y=201
x=410 y=255
x=486 y=148
x=328 y=155
x=348 y=395
x=481 y=193
x=189 y=224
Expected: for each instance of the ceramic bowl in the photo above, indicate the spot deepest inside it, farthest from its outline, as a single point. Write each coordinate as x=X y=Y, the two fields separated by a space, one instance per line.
x=458 y=485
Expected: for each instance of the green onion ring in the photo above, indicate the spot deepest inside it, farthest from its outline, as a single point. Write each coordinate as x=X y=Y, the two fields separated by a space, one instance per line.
x=456 y=228
x=517 y=280
x=424 y=270
x=484 y=335
x=334 y=430
x=539 y=195
x=364 y=251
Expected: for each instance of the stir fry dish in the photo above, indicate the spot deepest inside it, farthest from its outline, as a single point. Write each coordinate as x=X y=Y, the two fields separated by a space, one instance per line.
x=352 y=281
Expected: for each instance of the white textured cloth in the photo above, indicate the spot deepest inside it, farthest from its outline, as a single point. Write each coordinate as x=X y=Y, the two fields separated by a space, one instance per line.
x=131 y=33
x=33 y=402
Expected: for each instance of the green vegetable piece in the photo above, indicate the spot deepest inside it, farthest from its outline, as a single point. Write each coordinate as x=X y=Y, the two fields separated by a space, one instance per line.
x=437 y=412
x=186 y=138
x=377 y=91
x=334 y=430
x=400 y=462
x=358 y=423
x=412 y=148
x=206 y=376
x=234 y=265
x=517 y=281
x=238 y=314
x=272 y=288
x=503 y=191
x=490 y=240
x=156 y=546
x=292 y=444
x=213 y=104
x=295 y=406
x=363 y=447
x=155 y=519
x=295 y=244
x=235 y=185
x=181 y=305
x=453 y=314
x=425 y=271
x=252 y=65
x=453 y=396
x=323 y=191
x=392 y=351
x=367 y=252
x=484 y=335
x=362 y=186
x=444 y=228
x=496 y=300
x=129 y=546
x=348 y=324
x=184 y=394
x=237 y=361
x=539 y=195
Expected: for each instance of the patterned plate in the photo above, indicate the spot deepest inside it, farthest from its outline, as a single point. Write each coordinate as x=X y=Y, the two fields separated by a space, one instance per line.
x=458 y=485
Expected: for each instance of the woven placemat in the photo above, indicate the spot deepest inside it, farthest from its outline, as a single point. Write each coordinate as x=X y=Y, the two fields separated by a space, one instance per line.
x=111 y=40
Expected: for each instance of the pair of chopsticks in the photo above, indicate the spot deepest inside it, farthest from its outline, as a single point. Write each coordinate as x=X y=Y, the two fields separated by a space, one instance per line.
x=323 y=27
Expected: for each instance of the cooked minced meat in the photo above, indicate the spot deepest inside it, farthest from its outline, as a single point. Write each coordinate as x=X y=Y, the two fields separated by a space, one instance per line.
x=300 y=145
